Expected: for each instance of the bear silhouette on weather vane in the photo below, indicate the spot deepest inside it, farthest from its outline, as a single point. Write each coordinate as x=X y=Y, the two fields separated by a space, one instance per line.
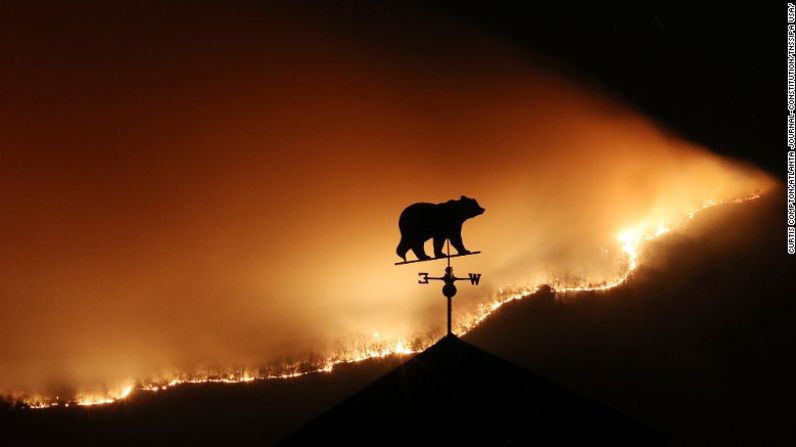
x=420 y=222
x=442 y=222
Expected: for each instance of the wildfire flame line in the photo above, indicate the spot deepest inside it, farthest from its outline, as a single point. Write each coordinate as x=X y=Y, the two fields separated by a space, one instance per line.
x=630 y=240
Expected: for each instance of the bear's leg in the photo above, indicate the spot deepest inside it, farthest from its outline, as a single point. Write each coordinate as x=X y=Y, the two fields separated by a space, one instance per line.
x=403 y=247
x=419 y=251
x=439 y=242
x=456 y=241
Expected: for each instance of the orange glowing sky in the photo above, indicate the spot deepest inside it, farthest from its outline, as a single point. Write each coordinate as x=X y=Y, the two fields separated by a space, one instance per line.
x=180 y=193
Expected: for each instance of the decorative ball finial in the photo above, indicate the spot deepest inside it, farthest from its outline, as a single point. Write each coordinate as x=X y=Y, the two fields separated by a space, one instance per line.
x=449 y=290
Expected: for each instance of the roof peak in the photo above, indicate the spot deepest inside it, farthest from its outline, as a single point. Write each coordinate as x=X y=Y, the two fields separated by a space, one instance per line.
x=454 y=391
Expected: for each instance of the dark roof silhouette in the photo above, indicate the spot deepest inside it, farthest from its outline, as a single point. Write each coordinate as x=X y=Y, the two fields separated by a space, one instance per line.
x=455 y=392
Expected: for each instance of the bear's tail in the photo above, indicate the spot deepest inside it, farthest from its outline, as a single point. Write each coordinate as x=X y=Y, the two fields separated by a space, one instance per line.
x=402 y=249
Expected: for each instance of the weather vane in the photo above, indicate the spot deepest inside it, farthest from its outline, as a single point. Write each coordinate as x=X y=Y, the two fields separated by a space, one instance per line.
x=442 y=222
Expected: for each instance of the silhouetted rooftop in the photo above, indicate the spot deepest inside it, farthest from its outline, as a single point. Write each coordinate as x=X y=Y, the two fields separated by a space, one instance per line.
x=455 y=392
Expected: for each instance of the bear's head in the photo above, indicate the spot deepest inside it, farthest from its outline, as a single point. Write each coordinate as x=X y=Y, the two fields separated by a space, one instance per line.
x=467 y=207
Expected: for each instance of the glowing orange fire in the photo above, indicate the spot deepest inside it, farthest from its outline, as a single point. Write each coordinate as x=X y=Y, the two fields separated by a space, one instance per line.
x=630 y=240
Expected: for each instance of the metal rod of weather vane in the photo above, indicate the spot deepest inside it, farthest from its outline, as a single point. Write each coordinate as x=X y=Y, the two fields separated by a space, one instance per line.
x=449 y=316
x=450 y=298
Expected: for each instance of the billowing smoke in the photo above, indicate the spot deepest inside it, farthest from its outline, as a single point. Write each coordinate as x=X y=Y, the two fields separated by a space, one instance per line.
x=212 y=187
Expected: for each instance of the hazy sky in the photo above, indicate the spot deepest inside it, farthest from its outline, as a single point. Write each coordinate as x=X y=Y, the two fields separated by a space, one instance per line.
x=187 y=186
